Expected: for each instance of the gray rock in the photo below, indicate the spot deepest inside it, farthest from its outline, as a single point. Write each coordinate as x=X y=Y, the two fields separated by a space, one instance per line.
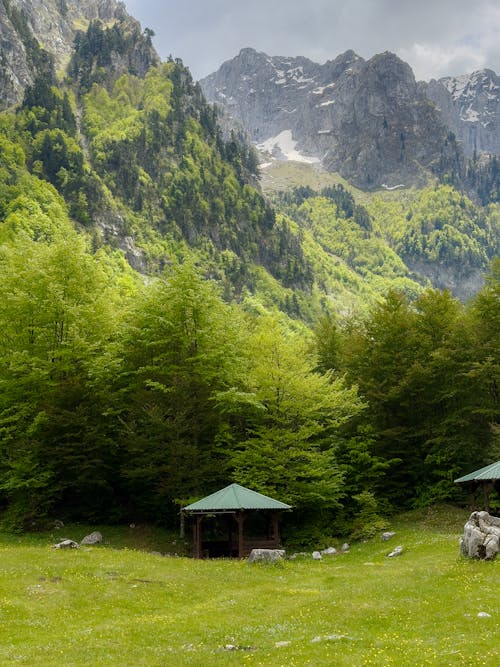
x=367 y=120
x=345 y=547
x=484 y=614
x=266 y=555
x=93 y=538
x=387 y=535
x=396 y=552
x=66 y=544
x=470 y=106
x=317 y=555
x=481 y=538
x=54 y=28
x=330 y=551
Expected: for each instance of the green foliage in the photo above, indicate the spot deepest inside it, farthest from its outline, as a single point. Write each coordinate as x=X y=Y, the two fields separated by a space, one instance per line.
x=417 y=368
x=442 y=225
x=287 y=452
x=121 y=395
x=180 y=352
x=55 y=314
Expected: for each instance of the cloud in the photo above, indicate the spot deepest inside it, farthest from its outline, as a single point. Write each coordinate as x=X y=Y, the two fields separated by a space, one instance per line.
x=436 y=37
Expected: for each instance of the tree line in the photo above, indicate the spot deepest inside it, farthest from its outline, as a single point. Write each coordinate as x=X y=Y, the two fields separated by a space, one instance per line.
x=122 y=400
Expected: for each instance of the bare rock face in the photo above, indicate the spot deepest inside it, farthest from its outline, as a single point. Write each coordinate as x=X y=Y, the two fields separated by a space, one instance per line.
x=470 y=107
x=52 y=25
x=368 y=120
x=481 y=538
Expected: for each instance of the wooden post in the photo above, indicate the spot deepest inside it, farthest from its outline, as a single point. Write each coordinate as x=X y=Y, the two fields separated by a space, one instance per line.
x=229 y=520
x=240 y=517
x=276 y=529
x=197 y=541
x=486 y=496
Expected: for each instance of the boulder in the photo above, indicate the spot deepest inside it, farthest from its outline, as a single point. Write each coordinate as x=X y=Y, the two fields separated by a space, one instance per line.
x=396 y=552
x=481 y=538
x=317 y=555
x=387 y=535
x=330 y=551
x=266 y=555
x=66 y=544
x=93 y=538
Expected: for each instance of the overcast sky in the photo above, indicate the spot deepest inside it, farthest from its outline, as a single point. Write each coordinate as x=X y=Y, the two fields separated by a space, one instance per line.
x=436 y=37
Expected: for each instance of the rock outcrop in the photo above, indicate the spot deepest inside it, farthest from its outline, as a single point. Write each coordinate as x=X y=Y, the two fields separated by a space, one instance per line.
x=470 y=107
x=368 y=120
x=31 y=27
x=481 y=538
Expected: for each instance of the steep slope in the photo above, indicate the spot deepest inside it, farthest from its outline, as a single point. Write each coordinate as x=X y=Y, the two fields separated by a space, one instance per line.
x=470 y=106
x=35 y=34
x=366 y=120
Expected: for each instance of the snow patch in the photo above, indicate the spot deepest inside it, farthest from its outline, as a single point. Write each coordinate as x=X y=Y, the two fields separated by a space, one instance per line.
x=283 y=147
x=393 y=187
x=470 y=115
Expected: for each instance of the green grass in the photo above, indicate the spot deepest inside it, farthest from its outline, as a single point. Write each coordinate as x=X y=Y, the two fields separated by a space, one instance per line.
x=117 y=606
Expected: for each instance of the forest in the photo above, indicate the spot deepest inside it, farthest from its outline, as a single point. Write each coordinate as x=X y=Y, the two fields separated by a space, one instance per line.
x=166 y=329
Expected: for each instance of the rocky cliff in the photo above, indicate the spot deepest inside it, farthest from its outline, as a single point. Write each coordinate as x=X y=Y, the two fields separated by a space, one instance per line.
x=470 y=107
x=368 y=120
x=35 y=31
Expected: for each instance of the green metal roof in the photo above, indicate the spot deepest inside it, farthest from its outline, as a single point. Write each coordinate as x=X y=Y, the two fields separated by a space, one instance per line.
x=235 y=497
x=491 y=471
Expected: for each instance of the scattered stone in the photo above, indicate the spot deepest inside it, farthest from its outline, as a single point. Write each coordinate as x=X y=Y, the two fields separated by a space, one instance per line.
x=396 y=552
x=387 y=535
x=230 y=647
x=299 y=554
x=156 y=553
x=481 y=538
x=345 y=547
x=330 y=551
x=93 y=538
x=66 y=544
x=266 y=555
x=484 y=614
x=328 y=638
x=317 y=555
x=282 y=644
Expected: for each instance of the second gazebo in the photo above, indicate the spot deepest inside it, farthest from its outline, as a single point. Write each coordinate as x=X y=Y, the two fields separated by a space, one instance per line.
x=237 y=504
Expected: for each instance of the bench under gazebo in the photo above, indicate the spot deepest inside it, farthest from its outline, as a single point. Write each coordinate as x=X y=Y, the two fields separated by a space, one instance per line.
x=487 y=477
x=243 y=513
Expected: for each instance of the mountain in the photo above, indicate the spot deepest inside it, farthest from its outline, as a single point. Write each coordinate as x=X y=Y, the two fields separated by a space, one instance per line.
x=470 y=107
x=144 y=166
x=367 y=120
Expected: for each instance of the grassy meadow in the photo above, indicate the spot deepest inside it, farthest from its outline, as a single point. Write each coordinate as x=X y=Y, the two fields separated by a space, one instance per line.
x=117 y=605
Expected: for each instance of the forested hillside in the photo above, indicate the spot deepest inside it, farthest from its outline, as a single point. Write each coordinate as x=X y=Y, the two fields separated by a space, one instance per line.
x=167 y=329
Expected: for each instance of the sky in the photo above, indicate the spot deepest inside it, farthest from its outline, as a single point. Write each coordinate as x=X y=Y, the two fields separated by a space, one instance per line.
x=436 y=37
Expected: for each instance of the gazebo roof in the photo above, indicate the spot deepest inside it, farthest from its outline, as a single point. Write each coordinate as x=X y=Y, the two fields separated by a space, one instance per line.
x=235 y=497
x=490 y=472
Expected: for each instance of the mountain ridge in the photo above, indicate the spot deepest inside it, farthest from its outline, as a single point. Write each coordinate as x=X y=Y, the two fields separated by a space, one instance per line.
x=369 y=120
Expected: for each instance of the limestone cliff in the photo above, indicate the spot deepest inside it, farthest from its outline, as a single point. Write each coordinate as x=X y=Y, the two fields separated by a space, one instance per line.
x=367 y=120
x=34 y=27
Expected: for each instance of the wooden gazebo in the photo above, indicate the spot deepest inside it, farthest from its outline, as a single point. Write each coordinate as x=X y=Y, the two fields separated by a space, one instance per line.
x=237 y=504
x=487 y=477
